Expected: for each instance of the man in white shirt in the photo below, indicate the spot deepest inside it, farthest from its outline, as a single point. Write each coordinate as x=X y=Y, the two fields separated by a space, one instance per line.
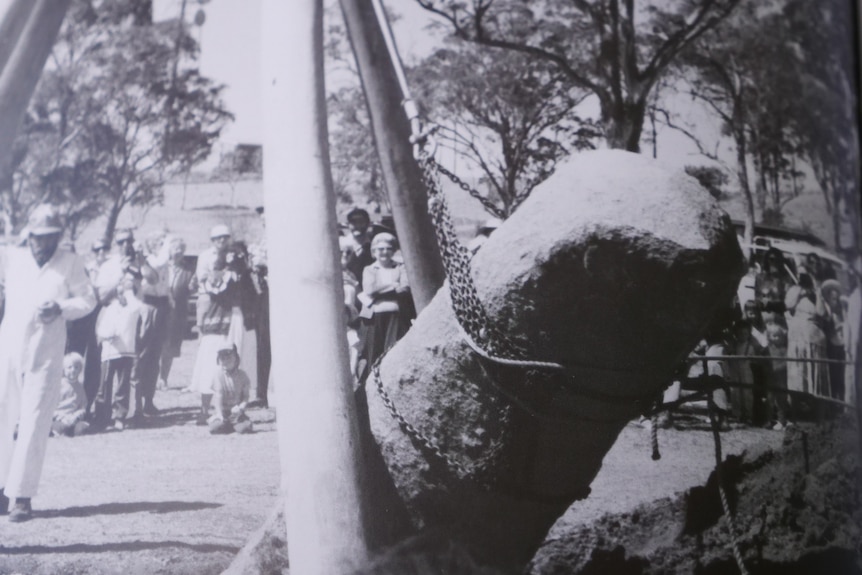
x=45 y=287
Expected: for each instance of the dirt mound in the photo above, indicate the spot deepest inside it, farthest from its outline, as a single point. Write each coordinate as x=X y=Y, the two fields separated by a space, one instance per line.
x=794 y=513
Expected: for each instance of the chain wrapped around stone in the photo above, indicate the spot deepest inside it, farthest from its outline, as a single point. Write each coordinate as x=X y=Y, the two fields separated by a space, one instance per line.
x=427 y=444
x=466 y=304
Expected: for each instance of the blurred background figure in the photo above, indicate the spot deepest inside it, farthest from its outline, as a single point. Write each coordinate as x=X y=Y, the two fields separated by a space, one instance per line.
x=182 y=283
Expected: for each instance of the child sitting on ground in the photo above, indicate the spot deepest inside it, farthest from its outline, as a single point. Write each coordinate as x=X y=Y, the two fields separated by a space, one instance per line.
x=70 y=412
x=230 y=387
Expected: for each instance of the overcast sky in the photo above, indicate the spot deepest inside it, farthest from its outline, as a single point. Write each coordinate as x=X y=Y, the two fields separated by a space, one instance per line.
x=230 y=48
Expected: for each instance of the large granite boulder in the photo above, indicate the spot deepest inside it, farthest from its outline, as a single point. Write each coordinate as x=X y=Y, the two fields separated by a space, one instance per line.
x=613 y=268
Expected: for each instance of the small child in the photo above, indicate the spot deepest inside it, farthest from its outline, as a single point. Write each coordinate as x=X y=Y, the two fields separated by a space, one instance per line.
x=230 y=387
x=118 y=329
x=70 y=412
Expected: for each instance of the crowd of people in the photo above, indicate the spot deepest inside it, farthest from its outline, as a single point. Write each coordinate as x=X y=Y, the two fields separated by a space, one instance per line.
x=793 y=326
x=86 y=342
x=130 y=339
x=378 y=305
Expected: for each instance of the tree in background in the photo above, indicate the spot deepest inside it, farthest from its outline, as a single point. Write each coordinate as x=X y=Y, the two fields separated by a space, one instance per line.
x=356 y=170
x=712 y=178
x=355 y=165
x=612 y=49
x=827 y=124
x=743 y=73
x=97 y=135
x=510 y=116
x=726 y=69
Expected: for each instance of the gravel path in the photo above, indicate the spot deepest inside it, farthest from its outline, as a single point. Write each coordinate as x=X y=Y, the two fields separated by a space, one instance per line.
x=168 y=498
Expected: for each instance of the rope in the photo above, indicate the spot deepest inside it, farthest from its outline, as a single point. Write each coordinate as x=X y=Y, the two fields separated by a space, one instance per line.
x=731 y=525
x=656 y=455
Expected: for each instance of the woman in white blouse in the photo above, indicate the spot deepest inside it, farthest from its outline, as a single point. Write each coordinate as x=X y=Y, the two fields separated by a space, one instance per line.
x=386 y=304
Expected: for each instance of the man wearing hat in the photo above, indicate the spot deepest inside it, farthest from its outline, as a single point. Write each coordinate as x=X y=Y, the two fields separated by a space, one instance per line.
x=111 y=272
x=45 y=287
x=220 y=239
x=360 y=233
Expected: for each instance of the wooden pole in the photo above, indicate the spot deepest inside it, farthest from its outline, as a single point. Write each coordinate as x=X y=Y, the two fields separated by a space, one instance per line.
x=391 y=128
x=15 y=16
x=25 y=62
x=317 y=425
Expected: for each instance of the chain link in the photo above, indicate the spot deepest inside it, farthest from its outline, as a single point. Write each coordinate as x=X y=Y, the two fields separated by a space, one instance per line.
x=468 y=308
x=486 y=203
x=414 y=434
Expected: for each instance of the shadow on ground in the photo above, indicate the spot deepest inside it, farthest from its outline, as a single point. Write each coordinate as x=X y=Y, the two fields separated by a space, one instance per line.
x=117 y=547
x=124 y=508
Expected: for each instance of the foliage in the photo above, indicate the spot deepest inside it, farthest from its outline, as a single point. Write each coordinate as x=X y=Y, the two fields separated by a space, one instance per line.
x=743 y=72
x=356 y=171
x=613 y=49
x=109 y=123
x=712 y=178
x=243 y=161
x=510 y=116
x=827 y=121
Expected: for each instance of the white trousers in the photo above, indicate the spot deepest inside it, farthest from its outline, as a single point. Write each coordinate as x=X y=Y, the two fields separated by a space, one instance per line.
x=28 y=400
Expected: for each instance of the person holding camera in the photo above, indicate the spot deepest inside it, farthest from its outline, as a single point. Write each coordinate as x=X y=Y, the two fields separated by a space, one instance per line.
x=127 y=254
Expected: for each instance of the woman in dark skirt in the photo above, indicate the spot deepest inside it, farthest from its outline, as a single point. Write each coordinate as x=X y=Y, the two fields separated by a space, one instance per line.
x=387 y=307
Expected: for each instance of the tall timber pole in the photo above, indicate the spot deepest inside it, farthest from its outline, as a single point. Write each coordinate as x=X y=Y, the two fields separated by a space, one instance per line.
x=317 y=425
x=29 y=29
x=384 y=87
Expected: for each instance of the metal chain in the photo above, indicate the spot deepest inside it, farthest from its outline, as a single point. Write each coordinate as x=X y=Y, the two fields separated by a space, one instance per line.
x=427 y=444
x=486 y=203
x=466 y=304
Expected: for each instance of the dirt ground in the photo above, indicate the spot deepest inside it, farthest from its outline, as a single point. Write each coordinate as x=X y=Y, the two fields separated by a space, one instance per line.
x=168 y=498
x=171 y=499
x=797 y=510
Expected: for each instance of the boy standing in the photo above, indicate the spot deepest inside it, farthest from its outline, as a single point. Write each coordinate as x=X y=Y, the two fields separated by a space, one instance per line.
x=118 y=328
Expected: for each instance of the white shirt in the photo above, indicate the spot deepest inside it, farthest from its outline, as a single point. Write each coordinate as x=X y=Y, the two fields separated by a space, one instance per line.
x=25 y=340
x=117 y=327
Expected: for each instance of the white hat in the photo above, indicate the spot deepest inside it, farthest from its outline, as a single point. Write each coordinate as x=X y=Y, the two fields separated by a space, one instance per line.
x=219 y=231
x=44 y=220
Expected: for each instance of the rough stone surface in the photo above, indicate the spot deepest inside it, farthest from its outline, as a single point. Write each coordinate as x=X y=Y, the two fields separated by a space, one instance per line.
x=613 y=267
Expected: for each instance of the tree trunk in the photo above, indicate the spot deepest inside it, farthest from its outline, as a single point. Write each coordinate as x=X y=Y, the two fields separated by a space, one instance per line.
x=317 y=422
x=111 y=224
x=742 y=174
x=623 y=123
